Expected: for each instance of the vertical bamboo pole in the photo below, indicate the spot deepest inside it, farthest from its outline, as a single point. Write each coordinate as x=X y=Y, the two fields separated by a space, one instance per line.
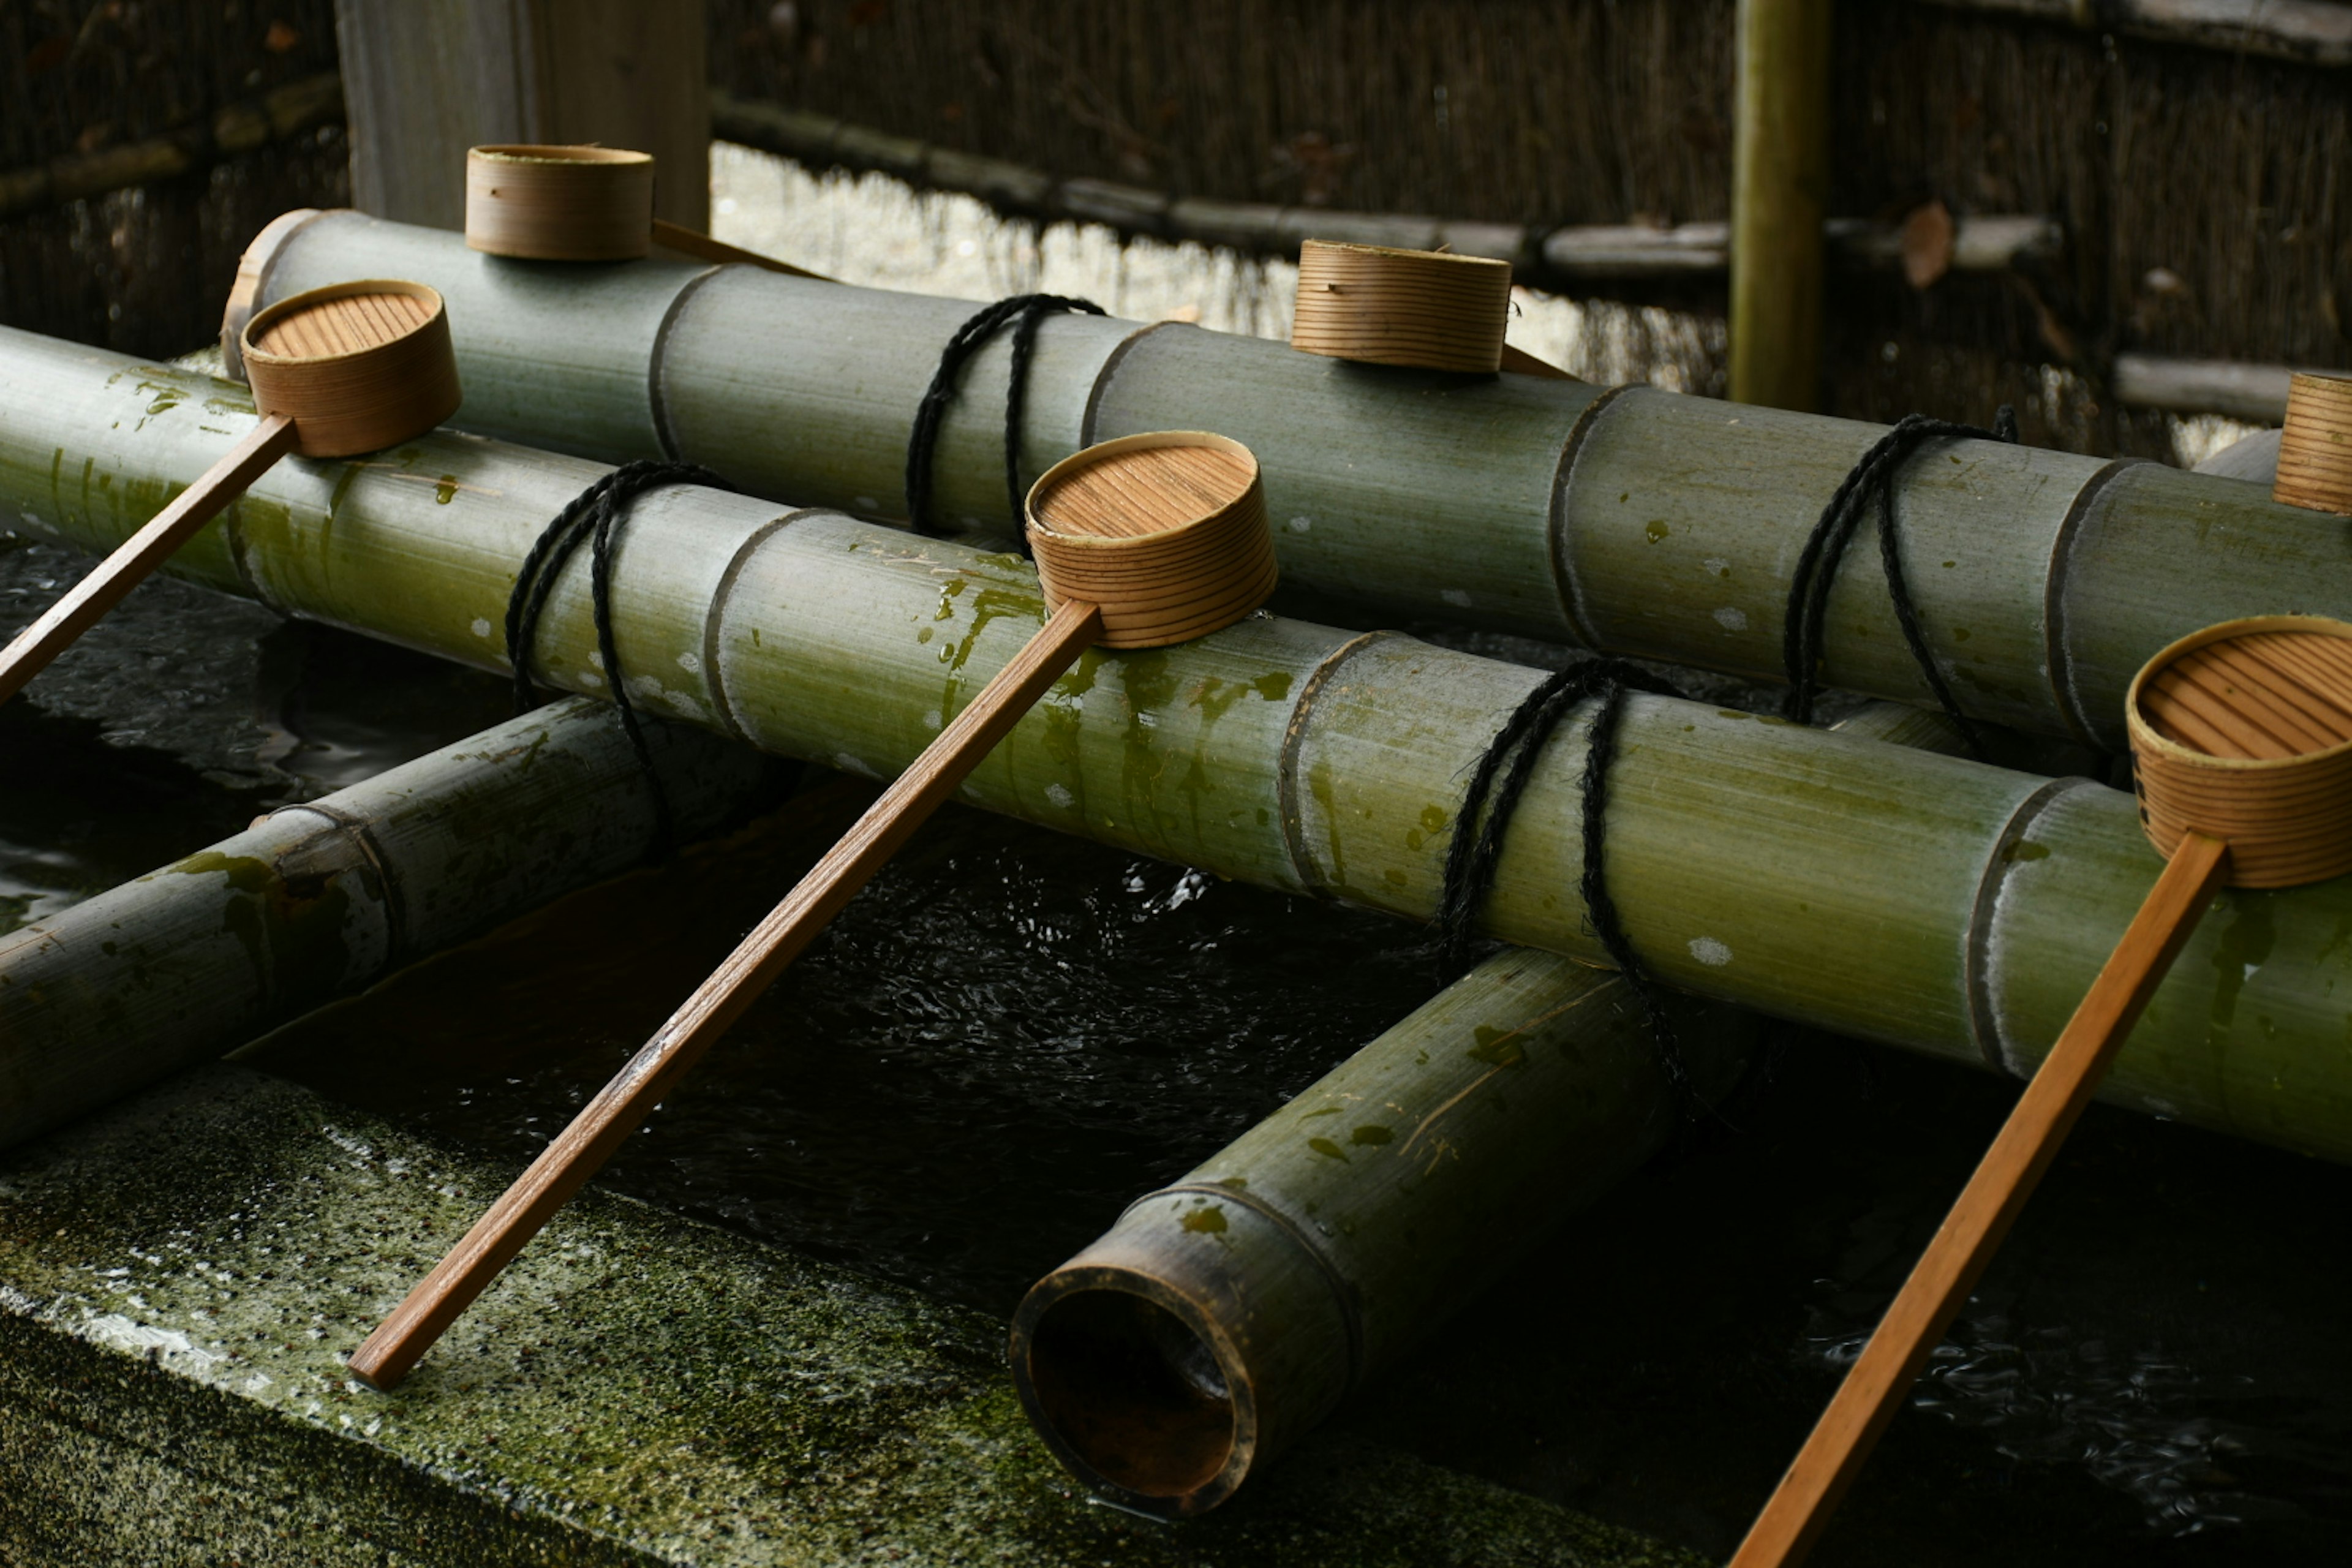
x=1780 y=196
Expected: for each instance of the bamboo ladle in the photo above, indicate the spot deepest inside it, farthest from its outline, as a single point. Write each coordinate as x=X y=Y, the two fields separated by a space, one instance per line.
x=545 y=202
x=1141 y=543
x=2241 y=758
x=336 y=371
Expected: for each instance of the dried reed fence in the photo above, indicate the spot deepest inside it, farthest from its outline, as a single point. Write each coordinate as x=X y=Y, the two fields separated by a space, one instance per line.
x=2197 y=185
x=145 y=270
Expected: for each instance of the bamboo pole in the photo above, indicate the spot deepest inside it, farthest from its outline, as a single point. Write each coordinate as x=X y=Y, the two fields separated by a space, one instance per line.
x=1967 y=907
x=1875 y=1388
x=85 y=604
x=1634 y=520
x=1298 y=1261
x=1570 y=260
x=2308 y=32
x=1225 y=1315
x=318 y=901
x=1780 y=195
x=284 y=112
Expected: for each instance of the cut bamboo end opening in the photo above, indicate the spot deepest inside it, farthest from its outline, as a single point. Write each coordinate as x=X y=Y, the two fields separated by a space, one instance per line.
x=559 y=203
x=1165 y=532
x=1133 y=1388
x=1425 y=309
x=2315 y=462
x=2243 y=732
x=357 y=366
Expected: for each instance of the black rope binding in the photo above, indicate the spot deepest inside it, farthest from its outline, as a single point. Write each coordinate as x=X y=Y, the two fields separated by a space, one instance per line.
x=1471 y=859
x=1871 y=483
x=1022 y=312
x=596 y=514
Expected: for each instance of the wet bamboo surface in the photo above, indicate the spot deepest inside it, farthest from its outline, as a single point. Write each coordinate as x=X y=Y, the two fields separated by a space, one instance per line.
x=315 y=900
x=1635 y=520
x=1950 y=908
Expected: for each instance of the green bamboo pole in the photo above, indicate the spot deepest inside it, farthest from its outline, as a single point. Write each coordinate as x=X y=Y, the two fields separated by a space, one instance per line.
x=1223 y=1316
x=1780 y=195
x=317 y=900
x=1243 y=1302
x=1950 y=908
x=1634 y=521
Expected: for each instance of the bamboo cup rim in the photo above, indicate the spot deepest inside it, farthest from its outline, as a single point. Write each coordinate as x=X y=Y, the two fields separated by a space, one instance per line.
x=1040 y=493
x=377 y=381
x=1406 y=253
x=258 y=325
x=2145 y=737
x=2287 y=819
x=1204 y=571
x=583 y=154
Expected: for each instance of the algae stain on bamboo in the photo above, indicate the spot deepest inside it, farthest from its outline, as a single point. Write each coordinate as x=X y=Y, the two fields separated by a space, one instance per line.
x=2245 y=944
x=290 y=931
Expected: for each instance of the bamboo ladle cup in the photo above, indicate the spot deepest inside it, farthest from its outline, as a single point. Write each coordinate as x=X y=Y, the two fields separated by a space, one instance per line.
x=544 y=202
x=2241 y=758
x=1141 y=543
x=351 y=368
x=1427 y=309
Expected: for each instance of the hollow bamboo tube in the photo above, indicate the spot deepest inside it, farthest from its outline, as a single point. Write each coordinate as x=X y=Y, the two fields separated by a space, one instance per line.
x=1780 y=195
x=1223 y=1315
x=1873 y=1389
x=1963 y=901
x=1635 y=522
x=318 y=900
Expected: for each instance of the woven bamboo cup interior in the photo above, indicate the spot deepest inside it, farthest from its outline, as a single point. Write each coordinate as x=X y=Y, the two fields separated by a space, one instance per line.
x=2315 y=462
x=357 y=366
x=559 y=204
x=1426 y=308
x=1166 y=532
x=2244 y=730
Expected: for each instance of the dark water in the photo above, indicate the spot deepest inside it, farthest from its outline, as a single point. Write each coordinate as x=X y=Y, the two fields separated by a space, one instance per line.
x=1014 y=1032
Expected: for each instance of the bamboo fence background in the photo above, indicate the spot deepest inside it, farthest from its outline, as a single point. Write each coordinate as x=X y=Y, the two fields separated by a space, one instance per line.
x=145 y=270
x=2195 y=183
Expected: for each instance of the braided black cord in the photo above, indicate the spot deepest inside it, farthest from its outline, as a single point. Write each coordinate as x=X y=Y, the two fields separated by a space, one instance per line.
x=1471 y=857
x=1871 y=483
x=1022 y=312
x=596 y=514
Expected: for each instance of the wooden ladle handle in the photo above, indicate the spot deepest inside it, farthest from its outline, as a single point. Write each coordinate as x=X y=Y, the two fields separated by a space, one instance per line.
x=700 y=246
x=136 y=557
x=607 y=1122
x=1875 y=1388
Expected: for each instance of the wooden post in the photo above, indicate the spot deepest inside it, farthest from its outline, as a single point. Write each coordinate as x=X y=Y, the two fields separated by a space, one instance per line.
x=1780 y=196
x=426 y=80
